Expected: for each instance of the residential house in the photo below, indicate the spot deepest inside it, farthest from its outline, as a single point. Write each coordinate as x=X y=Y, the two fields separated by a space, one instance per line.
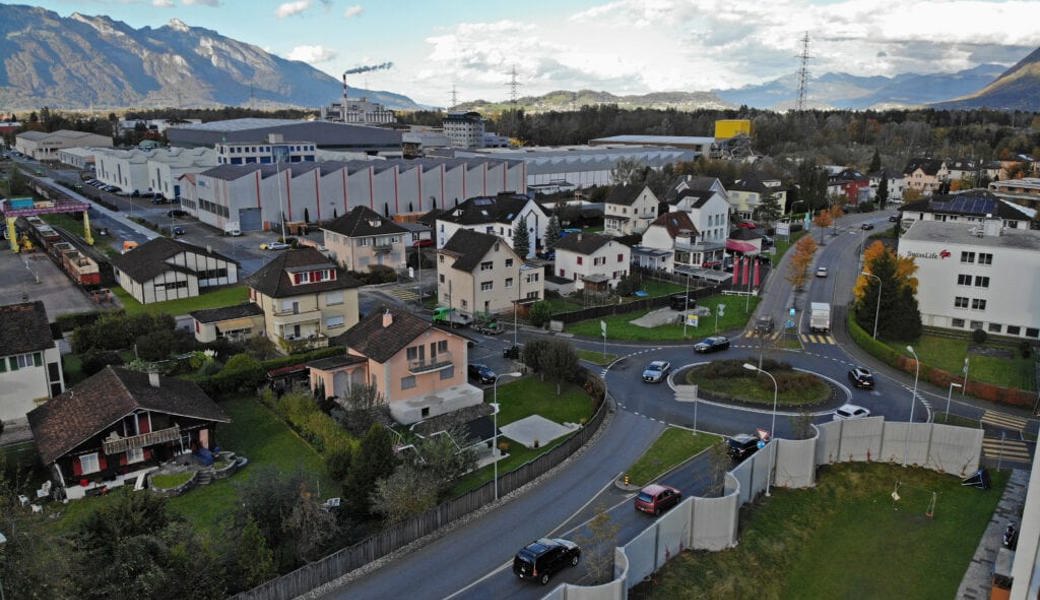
x=896 y=184
x=30 y=364
x=924 y=175
x=973 y=206
x=362 y=238
x=709 y=213
x=496 y=215
x=306 y=299
x=676 y=233
x=419 y=369
x=693 y=182
x=118 y=425
x=629 y=209
x=745 y=195
x=851 y=185
x=594 y=262
x=479 y=273
x=167 y=269
x=233 y=323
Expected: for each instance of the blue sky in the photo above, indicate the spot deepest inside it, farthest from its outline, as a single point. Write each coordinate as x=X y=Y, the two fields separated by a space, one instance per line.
x=620 y=46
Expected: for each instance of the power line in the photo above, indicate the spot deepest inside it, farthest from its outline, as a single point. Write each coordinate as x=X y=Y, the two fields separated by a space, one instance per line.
x=803 y=72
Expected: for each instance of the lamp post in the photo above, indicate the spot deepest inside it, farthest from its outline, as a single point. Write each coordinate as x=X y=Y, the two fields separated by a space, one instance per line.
x=913 y=402
x=772 y=427
x=877 y=311
x=494 y=435
x=949 y=396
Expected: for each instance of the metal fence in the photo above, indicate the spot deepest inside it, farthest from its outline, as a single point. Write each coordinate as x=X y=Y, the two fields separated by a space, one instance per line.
x=343 y=561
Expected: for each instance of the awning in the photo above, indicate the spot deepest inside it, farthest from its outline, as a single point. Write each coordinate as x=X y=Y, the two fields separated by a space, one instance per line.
x=235 y=324
x=742 y=247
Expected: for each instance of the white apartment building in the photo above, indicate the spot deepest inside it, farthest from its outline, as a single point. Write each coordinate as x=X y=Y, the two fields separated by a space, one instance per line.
x=629 y=209
x=709 y=213
x=596 y=262
x=464 y=130
x=496 y=215
x=976 y=276
x=478 y=273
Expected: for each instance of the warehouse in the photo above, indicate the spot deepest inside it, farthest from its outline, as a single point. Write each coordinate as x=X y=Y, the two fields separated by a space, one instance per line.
x=323 y=134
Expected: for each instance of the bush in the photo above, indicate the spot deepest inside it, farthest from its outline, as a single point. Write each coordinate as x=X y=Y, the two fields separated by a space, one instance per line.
x=319 y=429
x=75 y=320
x=540 y=313
x=242 y=372
x=979 y=336
x=95 y=360
x=375 y=274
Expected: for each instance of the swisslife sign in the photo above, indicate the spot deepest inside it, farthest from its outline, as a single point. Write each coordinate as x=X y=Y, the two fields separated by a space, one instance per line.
x=941 y=255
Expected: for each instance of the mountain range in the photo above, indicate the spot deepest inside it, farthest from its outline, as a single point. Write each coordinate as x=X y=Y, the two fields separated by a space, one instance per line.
x=94 y=61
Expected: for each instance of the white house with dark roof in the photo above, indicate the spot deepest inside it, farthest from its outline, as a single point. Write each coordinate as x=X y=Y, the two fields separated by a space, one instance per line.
x=479 y=273
x=495 y=215
x=165 y=269
x=596 y=262
x=629 y=209
x=925 y=174
x=234 y=323
x=30 y=364
x=676 y=234
x=972 y=206
x=362 y=238
x=745 y=195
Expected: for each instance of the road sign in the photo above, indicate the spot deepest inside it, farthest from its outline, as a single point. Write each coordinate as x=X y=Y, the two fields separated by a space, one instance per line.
x=790 y=311
x=603 y=328
x=722 y=310
x=789 y=324
x=692 y=319
x=761 y=444
x=783 y=229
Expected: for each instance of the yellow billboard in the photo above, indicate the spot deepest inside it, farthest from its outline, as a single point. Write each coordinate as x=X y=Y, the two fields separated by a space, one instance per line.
x=727 y=128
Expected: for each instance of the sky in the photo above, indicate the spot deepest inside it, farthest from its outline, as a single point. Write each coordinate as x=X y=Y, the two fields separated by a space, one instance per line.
x=619 y=46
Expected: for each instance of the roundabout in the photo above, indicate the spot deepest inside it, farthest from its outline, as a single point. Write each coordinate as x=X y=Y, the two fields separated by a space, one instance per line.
x=729 y=382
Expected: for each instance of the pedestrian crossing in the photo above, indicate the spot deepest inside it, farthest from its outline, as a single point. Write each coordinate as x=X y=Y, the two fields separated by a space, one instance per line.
x=771 y=336
x=1003 y=421
x=406 y=294
x=817 y=338
x=996 y=448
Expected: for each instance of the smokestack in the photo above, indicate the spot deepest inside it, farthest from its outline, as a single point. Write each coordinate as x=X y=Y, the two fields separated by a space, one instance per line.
x=344 y=92
x=153 y=379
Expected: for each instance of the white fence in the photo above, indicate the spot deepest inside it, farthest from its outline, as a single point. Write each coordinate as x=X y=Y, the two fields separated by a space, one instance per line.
x=712 y=523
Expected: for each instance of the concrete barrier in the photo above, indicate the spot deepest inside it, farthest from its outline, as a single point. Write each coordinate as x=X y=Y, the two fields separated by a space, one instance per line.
x=954 y=450
x=795 y=463
x=860 y=439
x=715 y=521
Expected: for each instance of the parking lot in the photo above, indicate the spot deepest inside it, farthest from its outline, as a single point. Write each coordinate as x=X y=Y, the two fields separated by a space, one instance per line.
x=33 y=276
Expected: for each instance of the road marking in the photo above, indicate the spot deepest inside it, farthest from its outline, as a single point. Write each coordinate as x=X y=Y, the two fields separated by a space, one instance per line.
x=1004 y=421
x=813 y=338
x=1006 y=449
x=403 y=294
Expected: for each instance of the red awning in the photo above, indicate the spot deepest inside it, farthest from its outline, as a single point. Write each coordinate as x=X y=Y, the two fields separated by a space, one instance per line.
x=742 y=247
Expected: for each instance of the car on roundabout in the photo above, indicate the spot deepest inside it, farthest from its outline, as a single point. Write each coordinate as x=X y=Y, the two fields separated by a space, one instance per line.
x=713 y=344
x=849 y=412
x=543 y=558
x=657 y=371
x=861 y=378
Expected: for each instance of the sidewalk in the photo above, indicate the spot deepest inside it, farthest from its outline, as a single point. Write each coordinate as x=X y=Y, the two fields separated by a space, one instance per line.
x=979 y=576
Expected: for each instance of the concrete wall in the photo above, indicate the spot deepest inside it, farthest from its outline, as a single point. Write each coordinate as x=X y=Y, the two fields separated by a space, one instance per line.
x=795 y=463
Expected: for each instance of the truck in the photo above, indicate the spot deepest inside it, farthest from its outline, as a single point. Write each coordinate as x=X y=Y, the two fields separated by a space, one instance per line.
x=820 y=317
x=232 y=228
x=450 y=316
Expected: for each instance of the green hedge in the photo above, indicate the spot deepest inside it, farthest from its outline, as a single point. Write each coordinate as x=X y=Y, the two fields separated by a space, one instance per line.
x=293 y=359
x=72 y=321
x=303 y=415
x=874 y=347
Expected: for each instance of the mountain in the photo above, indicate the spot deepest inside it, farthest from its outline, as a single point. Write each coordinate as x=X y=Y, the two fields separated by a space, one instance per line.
x=93 y=61
x=841 y=90
x=562 y=100
x=1018 y=88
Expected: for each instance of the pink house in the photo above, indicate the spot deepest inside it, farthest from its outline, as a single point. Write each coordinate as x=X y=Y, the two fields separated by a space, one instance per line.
x=418 y=368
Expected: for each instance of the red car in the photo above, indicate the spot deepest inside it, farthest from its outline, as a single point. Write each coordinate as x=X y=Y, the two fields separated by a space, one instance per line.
x=747 y=225
x=655 y=498
x=711 y=264
x=422 y=244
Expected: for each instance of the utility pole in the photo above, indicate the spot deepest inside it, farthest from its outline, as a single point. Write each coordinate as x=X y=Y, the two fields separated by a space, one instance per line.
x=803 y=72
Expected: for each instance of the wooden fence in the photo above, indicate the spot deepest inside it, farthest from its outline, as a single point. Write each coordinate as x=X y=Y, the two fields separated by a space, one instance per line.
x=343 y=561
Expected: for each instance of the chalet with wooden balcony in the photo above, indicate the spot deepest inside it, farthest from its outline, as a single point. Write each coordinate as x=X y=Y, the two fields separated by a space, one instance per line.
x=418 y=368
x=306 y=298
x=118 y=425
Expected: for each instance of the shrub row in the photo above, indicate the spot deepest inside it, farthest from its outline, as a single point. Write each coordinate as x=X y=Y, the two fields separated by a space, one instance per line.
x=304 y=416
x=71 y=321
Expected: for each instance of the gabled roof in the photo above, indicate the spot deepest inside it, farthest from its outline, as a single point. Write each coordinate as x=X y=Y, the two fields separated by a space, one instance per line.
x=83 y=411
x=583 y=243
x=750 y=184
x=700 y=197
x=212 y=315
x=431 y=217
x=674 y=222
x=977 y=203
x=24 y=328
x=148 y=260
x=362 y=221
x=469 y=248
x=370 y=338
x=273 y=278
x=502 y=208
x=930 y=166
x=625 y=195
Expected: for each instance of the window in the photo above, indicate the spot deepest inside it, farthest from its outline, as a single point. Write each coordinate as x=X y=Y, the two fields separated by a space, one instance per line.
x=981 y=281
x=334 y=322
x=532 y=295
x=985 y=258
x=509 y=282
x=1032 y=332
x=487 y=266
x=532 y=278
x=509 y=262
x=408 y=383
x=964 y=279
x=975 y=325
x=442 y=346
x=580 y=260
x=960 y=302
x=978 y=304
x=334 y=298
x=134 y=455
x=89 y=463
x=486 y=286
x=995 y=327
x=599 y=261
x=967 y=257
x=1014 y=330
x=448 y=372
x=957 y=323
x=463 y=303
x=441 y=277
x=621 y=258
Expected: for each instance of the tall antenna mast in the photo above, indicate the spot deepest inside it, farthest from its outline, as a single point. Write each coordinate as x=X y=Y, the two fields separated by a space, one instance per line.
x=454 y=97
x=514 y=87
x=803 y=72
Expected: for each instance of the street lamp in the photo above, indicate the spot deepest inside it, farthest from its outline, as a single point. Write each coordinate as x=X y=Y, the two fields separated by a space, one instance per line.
x=494 y=435
x=772 y=427
x=949 y=396
x=913 y=402
x=877 y=311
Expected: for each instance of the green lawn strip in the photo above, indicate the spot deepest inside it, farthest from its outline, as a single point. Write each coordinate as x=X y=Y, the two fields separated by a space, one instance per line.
x=619 y=328
x=952 y=419
x=782 y=245
x=674 y=446
x=228 y=296
x=72 y=368
x=596 y=358
x=171 y=480
x=948 y=354
x=751 y=389
x=845 y=538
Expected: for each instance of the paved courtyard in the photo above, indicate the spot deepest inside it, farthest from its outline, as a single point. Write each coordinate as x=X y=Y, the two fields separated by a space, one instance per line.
x=34 y=276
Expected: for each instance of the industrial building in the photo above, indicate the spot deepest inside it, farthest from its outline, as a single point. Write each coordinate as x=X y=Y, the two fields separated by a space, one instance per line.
x=40 y=145
x=701 y=144
x=150 y=171
x=323 y=134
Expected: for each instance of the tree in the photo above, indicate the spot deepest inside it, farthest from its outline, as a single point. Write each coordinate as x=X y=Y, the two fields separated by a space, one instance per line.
x=768 y=210
x=247 y=559
x=798 y=269
x=522 y=238
x=540 y=313
x=875 y=162
x=409 y=491
x=447 y=455
x=360 y=407
x=882 y=192
x=559 y=362
x=552 y=233
x=823 y=220
x=597 y=541
x=628 y=171
x=374 y=460
x=898 y=315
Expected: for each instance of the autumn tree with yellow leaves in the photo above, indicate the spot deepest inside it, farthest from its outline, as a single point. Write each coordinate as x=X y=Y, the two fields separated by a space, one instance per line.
x=798 y=268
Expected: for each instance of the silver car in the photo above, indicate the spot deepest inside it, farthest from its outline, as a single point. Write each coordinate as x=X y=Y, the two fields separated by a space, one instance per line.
x=656 y=371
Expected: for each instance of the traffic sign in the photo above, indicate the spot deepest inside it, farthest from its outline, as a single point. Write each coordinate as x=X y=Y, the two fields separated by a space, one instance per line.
x=791 y=311
x=761 y=444
x=789 y=324
x=722 y=310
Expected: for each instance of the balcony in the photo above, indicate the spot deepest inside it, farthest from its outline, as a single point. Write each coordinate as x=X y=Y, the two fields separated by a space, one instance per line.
x=305 y=341
x=443 y=360
x=114 y=444
x=383 y=248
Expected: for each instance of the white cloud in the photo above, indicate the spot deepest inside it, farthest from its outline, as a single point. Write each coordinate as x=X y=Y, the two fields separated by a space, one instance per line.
x=312 y=54
x=353 y=11
x=162 y=3
x=212 y=3
x=289 y=9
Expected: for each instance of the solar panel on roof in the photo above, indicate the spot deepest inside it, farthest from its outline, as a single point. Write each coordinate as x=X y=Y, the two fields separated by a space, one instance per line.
x=482 y=202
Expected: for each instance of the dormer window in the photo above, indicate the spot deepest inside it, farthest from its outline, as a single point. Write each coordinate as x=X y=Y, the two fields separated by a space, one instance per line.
x=373 y=222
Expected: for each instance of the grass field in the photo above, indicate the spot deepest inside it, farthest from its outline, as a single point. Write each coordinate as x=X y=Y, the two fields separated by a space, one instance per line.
x=670 y=449
x=845 y=538
x=758 y=389
x=948 y=354
x=596 y=358
x=652 y=287
x=171 y=480
x=619 y=328
x=228 y=296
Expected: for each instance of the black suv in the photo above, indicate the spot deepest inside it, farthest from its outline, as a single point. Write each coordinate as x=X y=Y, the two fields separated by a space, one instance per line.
x=482 y=373
x=741 y=446
x=861 y=378
x=679 y=301
x=544 y=558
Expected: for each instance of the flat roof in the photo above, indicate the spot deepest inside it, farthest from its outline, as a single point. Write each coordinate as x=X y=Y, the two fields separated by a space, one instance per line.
x=655 y=139
x=964 y=233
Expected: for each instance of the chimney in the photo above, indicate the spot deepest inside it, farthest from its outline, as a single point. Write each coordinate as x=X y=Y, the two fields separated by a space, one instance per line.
x=153 y=379
x=388 y=318
x=991 y=227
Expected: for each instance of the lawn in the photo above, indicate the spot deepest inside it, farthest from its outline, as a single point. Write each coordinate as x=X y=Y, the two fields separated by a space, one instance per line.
x=619 y=328
x=228 y=296
x=171 y=480
x=674 y=446
x=952 y=419
x=948 y=354
x=596 y=358
x=758 y=389
x=845 y=538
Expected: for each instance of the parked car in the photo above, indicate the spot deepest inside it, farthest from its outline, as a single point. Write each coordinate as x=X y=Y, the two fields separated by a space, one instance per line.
x=656 y=371
x=894 y=219
x=821 y=271
x=861 y=378
x=682 y=301
x=764 y=324
x=544 y=558
x=422 y=244
x=867 y=226
x=712 y=344
x=741 y=446
x=176 y=213
x=655 y=499
x=178 y=231
x=274 y=246
x=846 y=412
x=512 y=352
x=482 y=373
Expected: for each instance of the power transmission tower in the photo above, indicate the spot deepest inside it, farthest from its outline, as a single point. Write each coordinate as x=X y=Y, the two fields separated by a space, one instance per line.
x=454 y=97
x=514 y=87
x=803 y=72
